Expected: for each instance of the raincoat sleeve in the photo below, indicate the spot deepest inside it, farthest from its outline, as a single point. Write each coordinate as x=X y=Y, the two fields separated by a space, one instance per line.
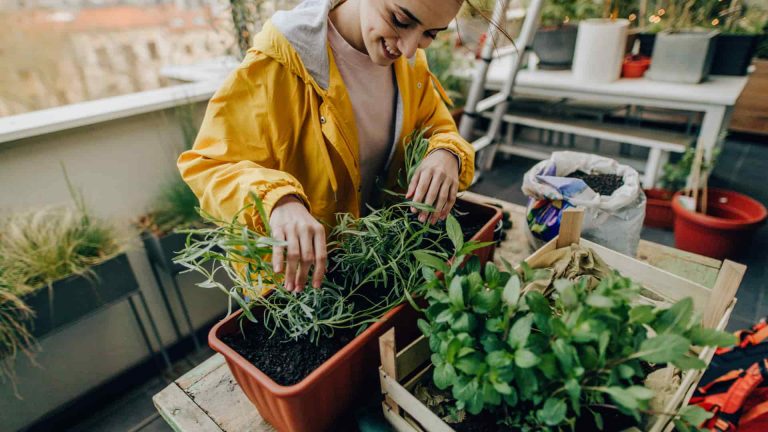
x=443 y=133
x=239 y=147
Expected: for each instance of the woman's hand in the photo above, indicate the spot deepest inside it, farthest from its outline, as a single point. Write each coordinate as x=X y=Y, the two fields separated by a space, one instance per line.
x=291 y=222
x=435 y=183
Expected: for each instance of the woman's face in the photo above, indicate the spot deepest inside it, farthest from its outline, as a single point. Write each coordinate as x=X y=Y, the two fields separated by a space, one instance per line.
x=392 y=28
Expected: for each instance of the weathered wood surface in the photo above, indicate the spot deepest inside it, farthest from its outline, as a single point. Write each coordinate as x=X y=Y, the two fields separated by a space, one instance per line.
x=208 y=398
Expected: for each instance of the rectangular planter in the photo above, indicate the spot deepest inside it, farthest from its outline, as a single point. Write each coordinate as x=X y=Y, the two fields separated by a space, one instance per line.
x=401 y=370
x=74 y=297
x=684 y=57
x=733 y=54
x=315 y=403
x=162 y=250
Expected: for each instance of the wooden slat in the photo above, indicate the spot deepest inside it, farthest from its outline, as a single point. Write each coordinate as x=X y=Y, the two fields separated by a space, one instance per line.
x=536 y=256
x=727 y=284
x=399 y=423
x=412 y=357
x=181 y=413
x=570 y=227
x=667 y=284
x=200 y=371
x=225 y=402
x=697 y=268
x=388 y=354
x=415 y=408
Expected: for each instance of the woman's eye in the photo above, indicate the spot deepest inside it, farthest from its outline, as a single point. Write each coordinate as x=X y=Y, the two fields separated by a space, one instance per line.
x=398 y=23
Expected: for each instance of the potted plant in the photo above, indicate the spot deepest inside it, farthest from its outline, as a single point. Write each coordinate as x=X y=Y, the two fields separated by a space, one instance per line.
x=286 y=349
x=57 y=265
x=563 y=342
x=682 y=52
x=443 y=62
x=741 y=29
x=555 y=41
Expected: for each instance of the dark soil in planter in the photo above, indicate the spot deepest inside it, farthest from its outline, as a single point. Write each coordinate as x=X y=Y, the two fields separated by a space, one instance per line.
x=287 y=362
x=603 y=184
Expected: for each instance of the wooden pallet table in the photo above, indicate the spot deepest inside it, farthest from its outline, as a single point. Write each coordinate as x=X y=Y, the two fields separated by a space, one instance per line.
x=208 y=399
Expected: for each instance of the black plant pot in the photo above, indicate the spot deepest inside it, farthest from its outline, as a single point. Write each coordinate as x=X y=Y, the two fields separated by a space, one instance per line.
x=162 y=250
x=74 y=297
x=647 y=40
x=554 y=46
x=733 y=54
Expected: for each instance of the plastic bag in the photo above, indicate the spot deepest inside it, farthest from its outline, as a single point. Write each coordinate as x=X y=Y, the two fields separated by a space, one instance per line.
x=613 y=221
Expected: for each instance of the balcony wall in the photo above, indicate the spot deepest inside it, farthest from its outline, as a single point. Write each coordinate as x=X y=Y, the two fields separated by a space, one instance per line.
x=118 y=152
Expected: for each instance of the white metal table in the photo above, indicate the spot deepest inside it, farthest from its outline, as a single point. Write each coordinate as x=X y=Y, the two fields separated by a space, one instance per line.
x=715 y=97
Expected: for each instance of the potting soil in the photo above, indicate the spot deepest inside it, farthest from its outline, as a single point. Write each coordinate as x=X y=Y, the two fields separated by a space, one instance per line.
x=284 y=360
x=602 y=184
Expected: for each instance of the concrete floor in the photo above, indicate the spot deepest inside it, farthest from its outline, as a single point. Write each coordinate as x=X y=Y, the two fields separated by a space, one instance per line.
x=742 y=166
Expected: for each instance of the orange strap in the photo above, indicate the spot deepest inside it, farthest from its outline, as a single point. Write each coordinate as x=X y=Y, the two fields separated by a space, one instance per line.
x=731 y=375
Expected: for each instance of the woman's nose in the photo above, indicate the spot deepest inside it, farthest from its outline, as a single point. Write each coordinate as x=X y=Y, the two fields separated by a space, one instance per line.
x=408 y=43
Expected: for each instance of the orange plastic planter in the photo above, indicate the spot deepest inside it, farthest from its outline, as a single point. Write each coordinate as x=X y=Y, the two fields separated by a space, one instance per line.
x=727 y=228
x=658 y=209
x=317 y=401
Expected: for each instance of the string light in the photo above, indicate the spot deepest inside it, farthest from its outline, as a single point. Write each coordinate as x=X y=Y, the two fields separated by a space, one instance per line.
x=715 y=22
x=654 y=19
x=632 y=17
x=662 y=11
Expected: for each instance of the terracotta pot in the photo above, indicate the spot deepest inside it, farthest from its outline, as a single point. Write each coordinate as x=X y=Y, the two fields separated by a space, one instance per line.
x=727 y=228
x=316 y=402
x=635 y=66
x=658 y=209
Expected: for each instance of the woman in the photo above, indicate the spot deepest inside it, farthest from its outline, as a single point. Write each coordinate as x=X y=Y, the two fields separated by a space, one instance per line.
x=316 y=111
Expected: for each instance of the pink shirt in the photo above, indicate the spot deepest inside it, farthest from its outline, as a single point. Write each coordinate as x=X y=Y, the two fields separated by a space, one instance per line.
x=372 y=91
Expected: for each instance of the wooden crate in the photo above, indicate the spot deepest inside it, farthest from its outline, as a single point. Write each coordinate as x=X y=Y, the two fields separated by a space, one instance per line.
x=406 y=413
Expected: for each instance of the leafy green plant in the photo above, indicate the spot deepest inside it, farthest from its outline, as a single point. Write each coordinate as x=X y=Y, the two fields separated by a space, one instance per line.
x=443 y=62
x=38 y=248
x=542 y=363
x=675 y=174
x=371 y=265
x=556 y=13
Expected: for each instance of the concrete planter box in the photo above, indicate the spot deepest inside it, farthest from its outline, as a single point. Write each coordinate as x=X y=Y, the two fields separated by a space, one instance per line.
x=684 y=57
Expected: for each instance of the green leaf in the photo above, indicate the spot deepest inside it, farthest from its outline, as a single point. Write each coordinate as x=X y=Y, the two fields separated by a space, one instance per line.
x=640 y=393
x=676 y=318
x=456 y=292
x=490 y=395
x=537 y=302
x=424 y=326
x=472 y=246
x=605 y=338
x=444 y=376
x=492 y=275
x=623 y=398
x=689 y=362
x=600 y=301
x=548 y=366
x=498 y=359
x=568 y=295
x=472 y=265
x=642 y=314
x=494 y=325
x=598 y=420
x=445 y=316
x=511 y=398
x=663 y=349
x=681 y=426
x=454 y=232
x=519 y=332
x=563 y=354
x=525 y=359
x=574 y=389
x=465 y=388
x=503 y=388
x=453 y=348
x=553 y=412
x=695 y=415
x=463 y=322
x=485 y=300
x=511 y=292
x=709 y=337
x=431 y=261
x=626 y=371
x=472 y=364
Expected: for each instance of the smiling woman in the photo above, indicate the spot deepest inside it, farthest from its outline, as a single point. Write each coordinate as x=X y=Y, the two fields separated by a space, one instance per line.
x=353 y=82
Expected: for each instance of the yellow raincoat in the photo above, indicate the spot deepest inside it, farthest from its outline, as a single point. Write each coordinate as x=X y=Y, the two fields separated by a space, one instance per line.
x=282 y=123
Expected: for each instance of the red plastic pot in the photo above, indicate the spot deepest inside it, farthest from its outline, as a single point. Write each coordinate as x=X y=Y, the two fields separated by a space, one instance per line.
x=727 y=228
x=635 y=66
x=658 y=209
x=316 y=402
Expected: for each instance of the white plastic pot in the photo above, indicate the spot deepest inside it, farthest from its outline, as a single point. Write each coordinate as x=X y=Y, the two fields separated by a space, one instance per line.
x=600 y=46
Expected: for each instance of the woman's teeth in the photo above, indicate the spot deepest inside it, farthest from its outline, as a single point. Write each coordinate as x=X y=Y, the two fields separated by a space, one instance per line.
x=390 y=50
